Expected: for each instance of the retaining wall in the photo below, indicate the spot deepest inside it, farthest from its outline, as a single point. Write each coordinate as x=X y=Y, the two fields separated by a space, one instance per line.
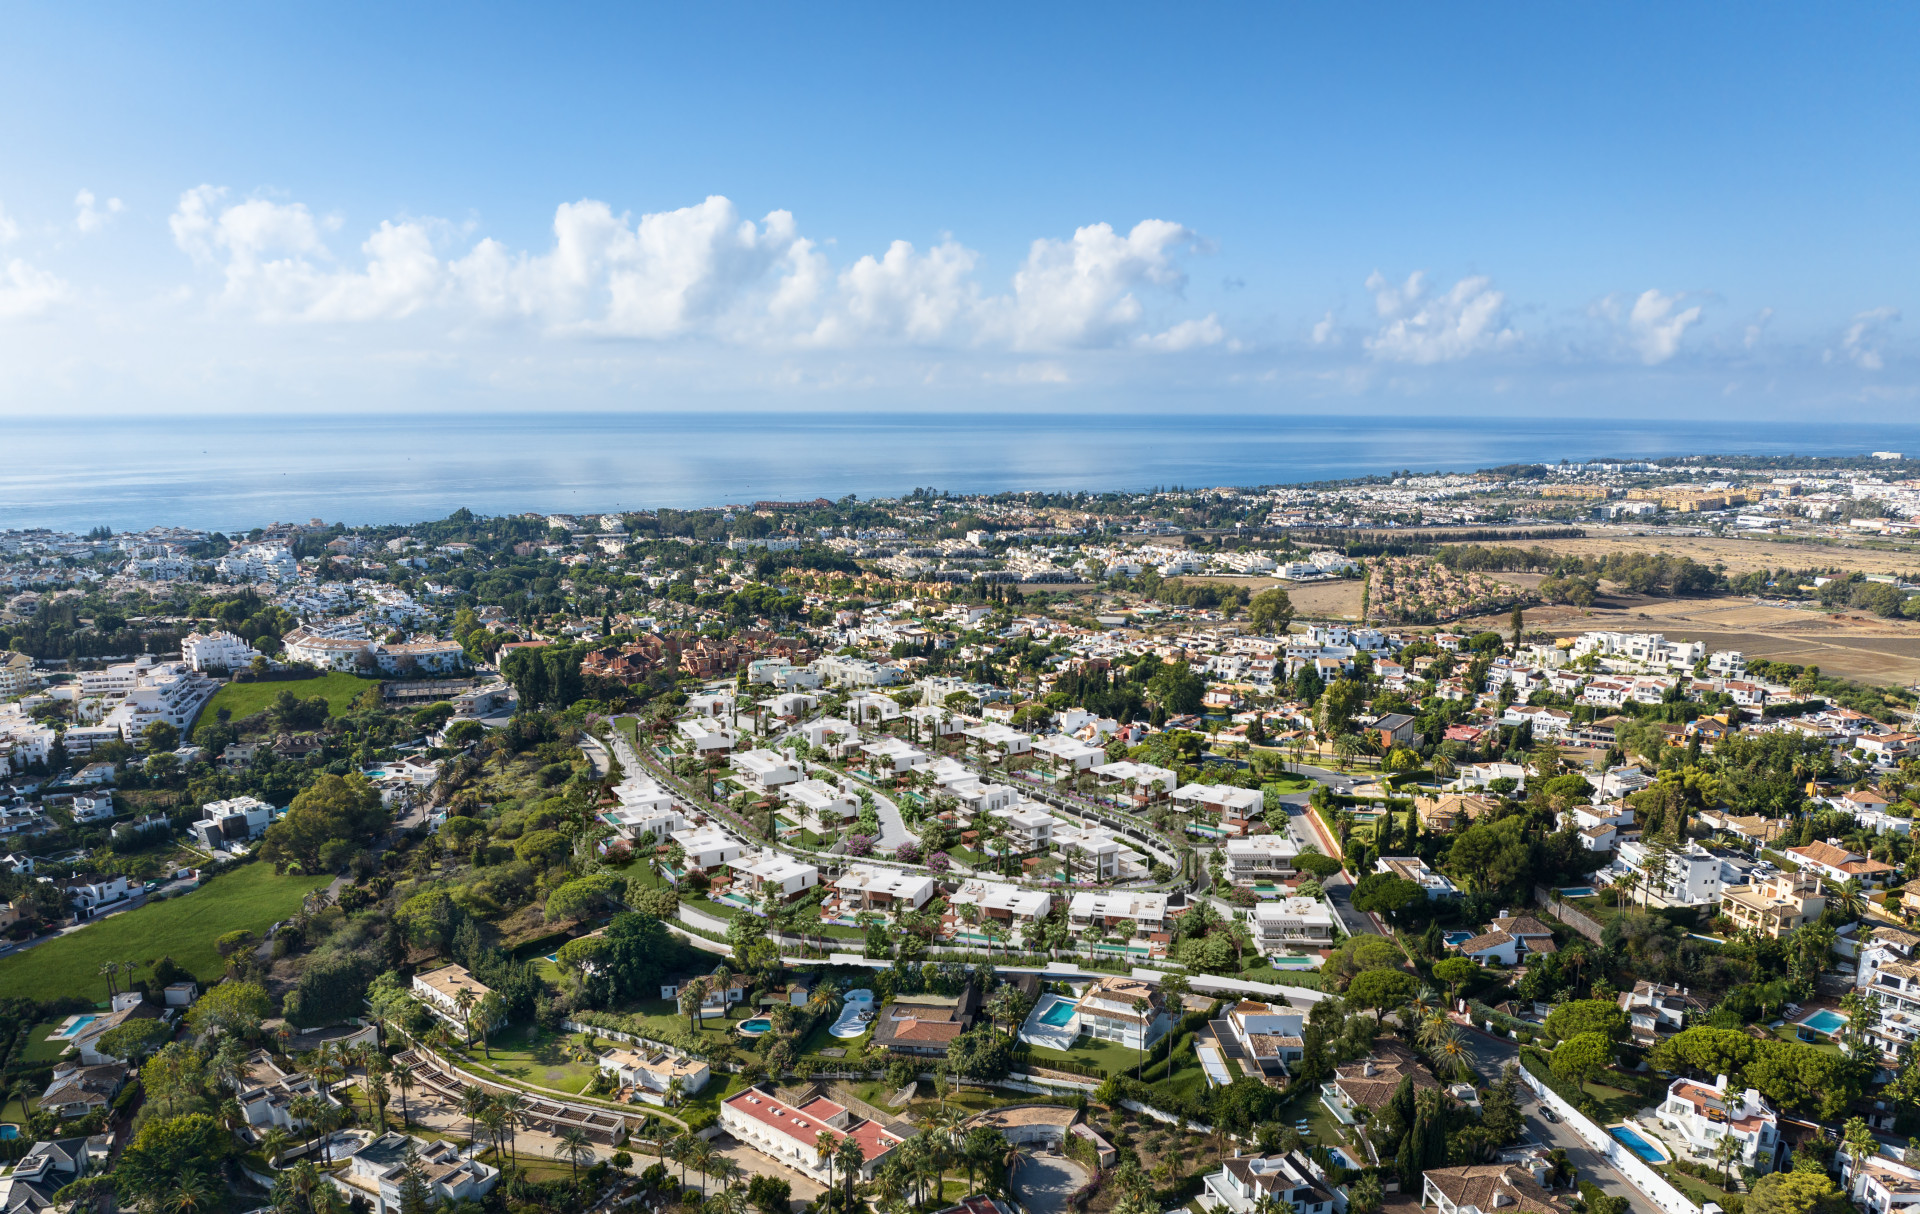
x=1650 y=1183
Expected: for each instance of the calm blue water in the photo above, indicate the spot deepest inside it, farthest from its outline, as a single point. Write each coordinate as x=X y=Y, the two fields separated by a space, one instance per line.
x=1059 y=1014
x=227 y=473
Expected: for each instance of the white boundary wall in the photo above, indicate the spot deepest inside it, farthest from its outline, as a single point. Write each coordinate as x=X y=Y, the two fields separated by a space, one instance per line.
x=1615 y=1152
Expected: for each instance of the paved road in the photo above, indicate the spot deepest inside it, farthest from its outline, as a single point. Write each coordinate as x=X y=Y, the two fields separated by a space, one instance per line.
x=1339 y=886
x=893 y=827
x=1491 y=1055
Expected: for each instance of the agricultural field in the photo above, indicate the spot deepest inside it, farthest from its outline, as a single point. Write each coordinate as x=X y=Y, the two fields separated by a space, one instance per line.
x=242 y=700
x=184 y=928
x=1847 y=645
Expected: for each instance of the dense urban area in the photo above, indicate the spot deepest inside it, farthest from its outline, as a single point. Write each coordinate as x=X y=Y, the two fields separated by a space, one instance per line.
x=1535 y=838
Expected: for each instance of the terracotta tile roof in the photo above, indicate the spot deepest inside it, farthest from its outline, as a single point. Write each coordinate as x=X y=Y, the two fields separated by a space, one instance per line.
x=1390 y=1063
x=1490 y=1186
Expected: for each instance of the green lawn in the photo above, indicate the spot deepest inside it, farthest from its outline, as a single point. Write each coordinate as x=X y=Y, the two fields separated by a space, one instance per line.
x=183 y=928
x=245 y=699
x=39 y=1049
x=1111 y=1056
x=13 y=1113
x=527 y=1052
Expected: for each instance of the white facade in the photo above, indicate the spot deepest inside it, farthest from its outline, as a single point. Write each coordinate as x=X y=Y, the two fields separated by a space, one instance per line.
x=215 y=650
x=1260 y=858
x=1703 y=1114
x=1291 y=923
x=708 y=849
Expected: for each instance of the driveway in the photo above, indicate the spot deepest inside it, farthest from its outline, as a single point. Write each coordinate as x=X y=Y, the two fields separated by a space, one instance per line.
x=1492 y=1054
x=1339 y=886
x=1045 y=1179
x=893 y=827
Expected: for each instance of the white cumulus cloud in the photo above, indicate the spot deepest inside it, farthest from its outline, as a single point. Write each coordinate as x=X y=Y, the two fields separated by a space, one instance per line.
x=1862 y=341
x=703 y=270
x=91 y=218
x=1655 y=327
x=27 y=291
x=1418 y=328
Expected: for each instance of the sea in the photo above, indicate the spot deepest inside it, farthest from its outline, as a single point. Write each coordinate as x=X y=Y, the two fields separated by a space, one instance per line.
x=232 y=473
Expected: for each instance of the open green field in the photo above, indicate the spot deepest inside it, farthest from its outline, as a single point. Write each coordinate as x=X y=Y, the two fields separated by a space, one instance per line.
x=245 y=699
x=183 y=928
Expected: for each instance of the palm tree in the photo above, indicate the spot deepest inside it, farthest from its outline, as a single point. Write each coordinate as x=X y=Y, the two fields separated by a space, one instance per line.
x=192 y=1193
x=575 y=1147
x=826 y=1145
x=1727 y=1150
x=403 y=1079
x=473 y=1102
x=107 y=970
x=1849 y=898
x=512 y=1106
x=680 y=1149
x=465 y=1000
x=272 y=1143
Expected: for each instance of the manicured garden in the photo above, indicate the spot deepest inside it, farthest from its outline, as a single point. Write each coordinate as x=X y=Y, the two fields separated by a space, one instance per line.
x=183 y=927
x=242 y=700
x=530 y=1054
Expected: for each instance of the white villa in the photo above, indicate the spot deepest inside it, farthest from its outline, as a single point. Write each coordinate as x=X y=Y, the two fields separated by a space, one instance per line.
x=1291 y=923
x=1702 y=1114
x=870 y=887
x=654 y=1073
x=1260 y=858
x=440 y=991
x=1107 y=1011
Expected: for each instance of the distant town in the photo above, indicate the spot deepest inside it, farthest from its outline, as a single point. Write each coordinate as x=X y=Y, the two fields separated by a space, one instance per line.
x=1536 y=836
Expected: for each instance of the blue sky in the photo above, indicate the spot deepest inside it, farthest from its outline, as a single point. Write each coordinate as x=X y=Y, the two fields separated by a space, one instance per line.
x=1514 y=208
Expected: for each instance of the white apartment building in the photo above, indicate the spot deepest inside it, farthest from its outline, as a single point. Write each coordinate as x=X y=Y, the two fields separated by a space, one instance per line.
x=258 y=563
x=1702 y=1114
x=215 y=651
x=1693 y=877
x=172 y=692
x=1287 y=924
x=855 y=672
x=1235 y=807
x=1258 y=858
x=16 y=674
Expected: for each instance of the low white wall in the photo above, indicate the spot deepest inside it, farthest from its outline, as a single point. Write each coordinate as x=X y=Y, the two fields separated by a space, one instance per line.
x=1615 y=1152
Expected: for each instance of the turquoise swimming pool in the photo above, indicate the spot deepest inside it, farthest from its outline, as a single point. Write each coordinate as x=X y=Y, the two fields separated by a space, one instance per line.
x=756 y=1026
x=1457 y=938
x=1826 y=1020
x=1059 y=1014
x=1577 y=891
x=1638 y=1145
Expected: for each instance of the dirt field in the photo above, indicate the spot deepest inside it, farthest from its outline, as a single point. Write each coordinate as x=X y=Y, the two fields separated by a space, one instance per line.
x=1848 y=646
x=1338 y=599
x=1739 y=555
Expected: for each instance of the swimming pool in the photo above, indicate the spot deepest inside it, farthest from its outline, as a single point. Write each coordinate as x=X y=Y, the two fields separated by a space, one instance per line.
x=1577 y=891
x=1456 y=939
x=8 y=1131
x=1059 y=1014
x=756 y=1026
x=1289 y=961
x=1826 y=1020
x=72 y=1028
x=1638 y=1145
x=1343 y=1159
